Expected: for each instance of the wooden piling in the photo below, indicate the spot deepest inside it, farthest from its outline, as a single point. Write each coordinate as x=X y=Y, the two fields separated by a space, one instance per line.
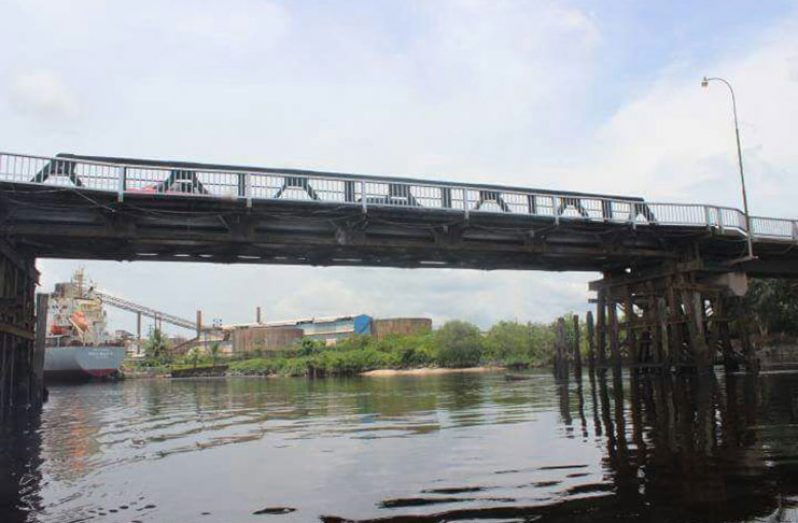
x=18 y=277
x=601 y=329
x=577 y=355
x=692 y=303
x=730 y=362
x=664 y=340
x=749 y=353
x=37 y=359
x=4 y=350
x=630 y=337
x=560 y=359
x=591 y=343
x=675 y=317
x=676 y=332
x=615 y=348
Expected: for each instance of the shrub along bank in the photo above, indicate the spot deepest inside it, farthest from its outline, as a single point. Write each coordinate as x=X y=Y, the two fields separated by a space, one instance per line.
x=456 y=344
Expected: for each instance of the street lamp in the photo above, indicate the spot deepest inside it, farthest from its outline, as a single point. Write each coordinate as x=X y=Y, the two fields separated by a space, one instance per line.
x=705 y=83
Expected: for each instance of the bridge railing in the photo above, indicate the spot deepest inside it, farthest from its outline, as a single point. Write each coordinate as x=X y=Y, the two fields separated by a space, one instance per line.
x=774 y=228
x=175 y=180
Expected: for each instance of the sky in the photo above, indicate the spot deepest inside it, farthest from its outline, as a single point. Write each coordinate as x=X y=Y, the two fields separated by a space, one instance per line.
x=582 y=95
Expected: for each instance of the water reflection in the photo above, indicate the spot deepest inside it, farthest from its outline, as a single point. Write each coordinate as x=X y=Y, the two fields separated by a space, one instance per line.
x=20 y=477
x=437 y=448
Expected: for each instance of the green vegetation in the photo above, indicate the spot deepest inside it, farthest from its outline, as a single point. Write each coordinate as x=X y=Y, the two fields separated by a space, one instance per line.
x=520 y=345
x=775 y=305
x=156 y=349
x=350 y=356
x=456 y=344
x=460 y=344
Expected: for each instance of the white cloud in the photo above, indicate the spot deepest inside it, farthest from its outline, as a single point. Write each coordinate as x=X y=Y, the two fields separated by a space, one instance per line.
x=42 y=94
x=498 y=91
x=676 y=140
x=257 y=21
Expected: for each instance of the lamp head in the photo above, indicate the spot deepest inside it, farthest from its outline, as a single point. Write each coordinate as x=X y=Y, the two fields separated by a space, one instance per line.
x=704 y=82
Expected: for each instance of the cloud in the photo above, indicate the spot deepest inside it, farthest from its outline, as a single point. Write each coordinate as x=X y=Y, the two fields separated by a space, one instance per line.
x=42 y=94
x=675 y=140
x=538 y=94
x=257 y=22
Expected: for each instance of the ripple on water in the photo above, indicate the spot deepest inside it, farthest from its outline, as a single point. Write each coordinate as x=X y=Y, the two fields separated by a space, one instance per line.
x=498 y=450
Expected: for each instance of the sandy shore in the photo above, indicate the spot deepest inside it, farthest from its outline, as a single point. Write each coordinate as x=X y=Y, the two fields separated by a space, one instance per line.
x=427 y=371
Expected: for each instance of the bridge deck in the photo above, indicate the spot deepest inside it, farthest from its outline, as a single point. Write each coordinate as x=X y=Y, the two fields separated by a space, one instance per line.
x=79 y=207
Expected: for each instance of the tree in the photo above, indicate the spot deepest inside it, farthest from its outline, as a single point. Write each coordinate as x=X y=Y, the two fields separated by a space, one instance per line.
x=214 y=352
x=459 y=343
x=309 y=347
x=194 y=355
x=519 y=345
x=156 y=348
x=775 y=305
x=509 y=342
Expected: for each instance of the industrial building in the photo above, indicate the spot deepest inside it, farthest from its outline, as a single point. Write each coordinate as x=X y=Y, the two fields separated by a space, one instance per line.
x=271 y=336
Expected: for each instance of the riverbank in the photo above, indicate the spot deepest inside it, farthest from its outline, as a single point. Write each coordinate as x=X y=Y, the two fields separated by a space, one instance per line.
x=455 y=347
x=429 y=371
x=225 y=371
x=204 y=371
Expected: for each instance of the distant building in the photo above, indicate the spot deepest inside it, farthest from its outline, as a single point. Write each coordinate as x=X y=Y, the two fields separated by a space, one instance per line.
x=263 y=337
x=331 y=330
x=400 y=326
x=279 y=335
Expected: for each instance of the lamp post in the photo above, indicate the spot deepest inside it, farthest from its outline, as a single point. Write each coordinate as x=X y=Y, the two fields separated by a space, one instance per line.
x=705 y=83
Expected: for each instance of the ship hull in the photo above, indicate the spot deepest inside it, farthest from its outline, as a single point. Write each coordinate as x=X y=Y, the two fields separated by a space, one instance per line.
x=81 y=363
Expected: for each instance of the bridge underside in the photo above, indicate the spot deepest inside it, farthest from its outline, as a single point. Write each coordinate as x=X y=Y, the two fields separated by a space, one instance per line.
x=58 y=222
x=663 y=301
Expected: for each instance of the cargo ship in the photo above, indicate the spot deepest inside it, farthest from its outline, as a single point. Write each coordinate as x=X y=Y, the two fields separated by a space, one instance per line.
x=78 y=345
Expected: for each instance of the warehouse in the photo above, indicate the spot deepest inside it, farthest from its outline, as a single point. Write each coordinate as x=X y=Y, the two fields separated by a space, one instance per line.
x=272 y=336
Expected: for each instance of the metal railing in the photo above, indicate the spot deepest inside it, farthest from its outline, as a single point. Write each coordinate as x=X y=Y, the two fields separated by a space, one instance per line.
x=134 y=177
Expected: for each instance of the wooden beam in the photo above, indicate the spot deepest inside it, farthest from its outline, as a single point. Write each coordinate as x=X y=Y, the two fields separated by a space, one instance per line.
x=16 y=331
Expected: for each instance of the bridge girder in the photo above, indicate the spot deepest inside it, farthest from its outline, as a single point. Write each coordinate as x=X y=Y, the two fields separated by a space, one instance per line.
x=64 y=223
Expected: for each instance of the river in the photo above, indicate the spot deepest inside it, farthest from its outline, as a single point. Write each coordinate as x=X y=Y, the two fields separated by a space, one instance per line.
x=458 y=447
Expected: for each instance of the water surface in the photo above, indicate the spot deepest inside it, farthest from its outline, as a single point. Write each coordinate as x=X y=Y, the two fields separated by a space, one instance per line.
x=459 y=447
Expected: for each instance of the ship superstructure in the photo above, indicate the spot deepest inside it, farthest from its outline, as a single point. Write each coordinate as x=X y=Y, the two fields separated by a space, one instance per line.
x=76 y=315
x=78 y=344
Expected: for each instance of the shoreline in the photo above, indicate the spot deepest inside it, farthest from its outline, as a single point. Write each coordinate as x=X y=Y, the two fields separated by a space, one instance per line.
x=429 y=371
x=375 y=373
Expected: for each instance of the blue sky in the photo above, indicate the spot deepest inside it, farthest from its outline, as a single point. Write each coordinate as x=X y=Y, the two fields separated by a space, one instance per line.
x=596 y=96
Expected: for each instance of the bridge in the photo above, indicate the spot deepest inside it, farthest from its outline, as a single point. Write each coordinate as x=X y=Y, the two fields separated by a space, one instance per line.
x=125 y=209
x=672 y=273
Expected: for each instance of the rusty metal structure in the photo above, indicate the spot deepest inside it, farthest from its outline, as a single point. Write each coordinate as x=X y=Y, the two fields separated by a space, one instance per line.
x=672 y=272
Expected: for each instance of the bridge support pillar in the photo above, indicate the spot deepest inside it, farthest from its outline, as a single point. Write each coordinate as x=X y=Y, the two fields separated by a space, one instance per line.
x=21 y=367
x=674 y=317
